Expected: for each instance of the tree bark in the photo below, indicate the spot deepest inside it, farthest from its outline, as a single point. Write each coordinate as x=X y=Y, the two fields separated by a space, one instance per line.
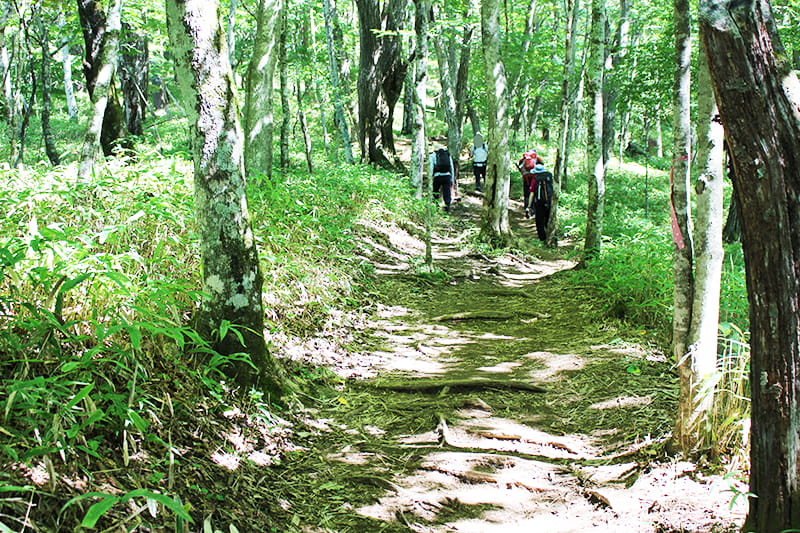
x=380 y=78
x=6 y=91
x=105 y=52
x=232 y=277
x=286 y=112
x=595 y=164
x=494 y=222
x=134 y=79
x=259 y=119
x=419 y=73
x=66 y=62
x=696 y=367
x=339 y=117
x=567 y=102
x=759 y=100
x=682 y=251
x=101 y=30
x=47 y=81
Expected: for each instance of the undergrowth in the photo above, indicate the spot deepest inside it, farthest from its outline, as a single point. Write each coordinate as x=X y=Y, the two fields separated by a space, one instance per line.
x=99 y=281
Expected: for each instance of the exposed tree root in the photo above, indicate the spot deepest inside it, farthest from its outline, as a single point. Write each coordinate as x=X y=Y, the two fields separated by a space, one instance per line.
x=429 y=386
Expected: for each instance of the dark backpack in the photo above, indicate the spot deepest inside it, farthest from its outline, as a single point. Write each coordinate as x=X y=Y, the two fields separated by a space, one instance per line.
x=441 y=163
x=544 y=187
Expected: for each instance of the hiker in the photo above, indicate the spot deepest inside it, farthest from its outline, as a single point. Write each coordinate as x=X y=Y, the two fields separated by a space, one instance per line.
x=440 y=169
x=526 y=165
x=541 y=198
x=479 y=152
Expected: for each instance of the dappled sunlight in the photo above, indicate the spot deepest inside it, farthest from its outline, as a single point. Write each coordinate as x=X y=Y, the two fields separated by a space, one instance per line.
x=555 y=364
x=623 y=401
x=501 y=368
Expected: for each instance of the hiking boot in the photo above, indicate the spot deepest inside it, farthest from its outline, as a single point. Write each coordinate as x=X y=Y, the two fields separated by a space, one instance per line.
x=527 y=213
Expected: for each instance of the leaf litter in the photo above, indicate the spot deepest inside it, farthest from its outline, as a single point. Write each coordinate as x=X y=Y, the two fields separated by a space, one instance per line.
x=446 y=447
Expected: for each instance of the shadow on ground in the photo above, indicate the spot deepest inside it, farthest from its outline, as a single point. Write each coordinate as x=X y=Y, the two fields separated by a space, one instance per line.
x=499 y=400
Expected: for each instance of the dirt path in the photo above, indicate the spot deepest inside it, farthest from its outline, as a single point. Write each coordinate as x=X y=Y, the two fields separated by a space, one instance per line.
x=441 y=434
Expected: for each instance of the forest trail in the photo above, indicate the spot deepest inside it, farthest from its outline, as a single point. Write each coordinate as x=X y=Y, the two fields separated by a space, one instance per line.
x=436 y=431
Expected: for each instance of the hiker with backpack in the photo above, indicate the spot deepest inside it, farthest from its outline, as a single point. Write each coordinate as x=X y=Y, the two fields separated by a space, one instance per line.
x=541 y=198
x=440 y=169
x=479 y=152
x=526 y=166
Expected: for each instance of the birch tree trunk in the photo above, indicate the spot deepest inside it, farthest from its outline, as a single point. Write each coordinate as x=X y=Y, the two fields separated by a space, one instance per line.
x=682 y=251
x=104 y=66
x=66 y=62
x=759 y=101
x=258 y=98
x=700 y=362
x=232 y=277
x=595 y=164
x=6 y=91
x=494 y=221
x=339 y=117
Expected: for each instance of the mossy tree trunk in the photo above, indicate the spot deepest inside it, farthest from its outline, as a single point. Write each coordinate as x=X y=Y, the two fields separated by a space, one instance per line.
x=232 y=278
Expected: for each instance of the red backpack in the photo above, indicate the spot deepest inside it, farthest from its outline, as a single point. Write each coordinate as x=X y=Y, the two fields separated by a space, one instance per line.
x=529 y=160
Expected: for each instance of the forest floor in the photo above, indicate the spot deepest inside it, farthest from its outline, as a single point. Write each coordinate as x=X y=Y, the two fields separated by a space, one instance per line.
x=434 y=426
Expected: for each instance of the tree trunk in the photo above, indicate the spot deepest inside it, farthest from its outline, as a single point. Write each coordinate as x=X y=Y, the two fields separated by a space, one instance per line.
x=698 y=365
x=757 y=94
x=101 y=73
x=682 y=252
x=232 y=277
x=47 y=130
x=567 y=102
x=66 y=62
x=96 y=26
x=6 y=91
x=380 y=78
x=595 y=165
x=301 y=119
x=258 y=97
x=453 y=70
x=494 y=222
x=286 y=111
x=339 y=116
x=420 y=86
x=134 y=79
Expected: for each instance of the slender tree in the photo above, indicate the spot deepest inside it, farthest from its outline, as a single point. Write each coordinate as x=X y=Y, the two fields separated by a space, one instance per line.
x=339 y=116
x=419 y=76
x=595 y=164
x=232 y=277
x=568 y=96
x=697 y=366
x=258 y=116
x=759 y=101
x=683 y=251
x=494 y=222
